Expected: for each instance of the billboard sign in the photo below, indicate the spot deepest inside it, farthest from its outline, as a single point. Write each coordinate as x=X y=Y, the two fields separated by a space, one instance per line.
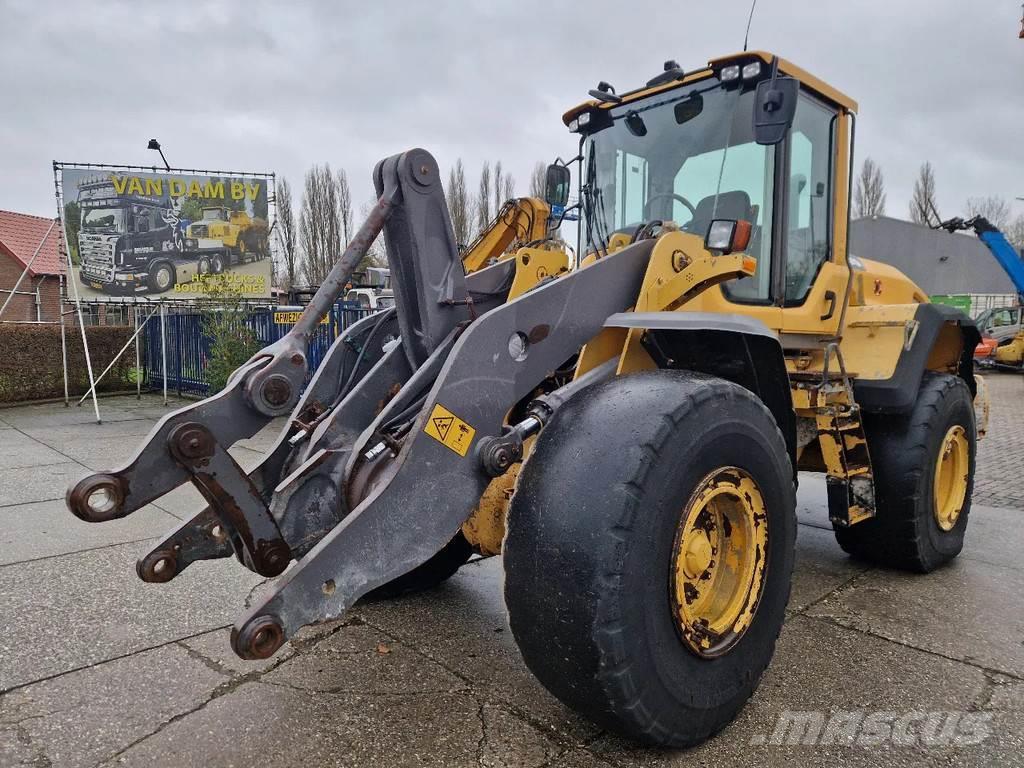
x=166 y=235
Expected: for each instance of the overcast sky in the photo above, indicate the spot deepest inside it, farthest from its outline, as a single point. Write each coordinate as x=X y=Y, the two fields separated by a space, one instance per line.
x=279 y=86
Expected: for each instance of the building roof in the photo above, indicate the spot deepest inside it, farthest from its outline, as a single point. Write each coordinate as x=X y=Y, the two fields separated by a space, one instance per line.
x=21 y=234
x=941 y=263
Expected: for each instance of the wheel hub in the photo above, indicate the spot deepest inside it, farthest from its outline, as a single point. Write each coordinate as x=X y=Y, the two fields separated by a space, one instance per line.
x=697 y=555
x=952 y=474
x=718 y=561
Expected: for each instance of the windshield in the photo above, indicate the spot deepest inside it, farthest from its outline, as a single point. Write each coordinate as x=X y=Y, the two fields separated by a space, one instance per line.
x=689 y=157
x=104 y=219
x=212 y=214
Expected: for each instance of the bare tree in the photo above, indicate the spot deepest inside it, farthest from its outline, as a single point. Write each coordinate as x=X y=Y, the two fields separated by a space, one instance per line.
x=345 y=208
x=483 y=202
x=459 y=206
x=499 y=185
x=538 y=180
x=508 y=188
x=376 y=254
x=922 y=202
x=319 y=223
x=1015 y=232
x=992 y=207
x=869 y=194
x=286 y=233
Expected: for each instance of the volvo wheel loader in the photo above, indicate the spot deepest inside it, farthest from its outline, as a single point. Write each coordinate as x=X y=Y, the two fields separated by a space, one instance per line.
x=624 y=428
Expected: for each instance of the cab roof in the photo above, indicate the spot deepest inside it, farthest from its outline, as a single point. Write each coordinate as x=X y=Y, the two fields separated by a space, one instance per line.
x=786 y=67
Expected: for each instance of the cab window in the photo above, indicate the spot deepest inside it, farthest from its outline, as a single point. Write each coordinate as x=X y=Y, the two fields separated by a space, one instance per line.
x=1003 y=317
x=809 y=208
x=732 y=182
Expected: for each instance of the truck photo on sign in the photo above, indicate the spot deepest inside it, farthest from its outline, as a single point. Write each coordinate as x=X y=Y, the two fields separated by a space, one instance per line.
x=167 y=235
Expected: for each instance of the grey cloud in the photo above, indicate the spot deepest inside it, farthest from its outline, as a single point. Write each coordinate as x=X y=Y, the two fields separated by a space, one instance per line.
x=279 y=86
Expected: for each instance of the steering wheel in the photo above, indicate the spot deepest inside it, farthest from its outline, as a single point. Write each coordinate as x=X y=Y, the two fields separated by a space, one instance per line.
x=674 y=196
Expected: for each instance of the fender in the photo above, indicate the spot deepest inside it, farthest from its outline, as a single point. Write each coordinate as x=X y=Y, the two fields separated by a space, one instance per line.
x=737 y=348
x=898 y=393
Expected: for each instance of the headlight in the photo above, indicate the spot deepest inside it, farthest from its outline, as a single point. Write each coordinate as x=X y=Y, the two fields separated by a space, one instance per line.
x=751 y=70
x=730 y=73
x=125 y=276
x=574 y=125
x=728 y=235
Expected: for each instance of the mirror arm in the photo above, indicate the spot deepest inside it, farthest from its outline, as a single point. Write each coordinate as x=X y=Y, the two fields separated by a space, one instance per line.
x=556 y=224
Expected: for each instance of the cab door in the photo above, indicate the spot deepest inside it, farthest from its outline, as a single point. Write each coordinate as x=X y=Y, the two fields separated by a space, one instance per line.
x=814 y=278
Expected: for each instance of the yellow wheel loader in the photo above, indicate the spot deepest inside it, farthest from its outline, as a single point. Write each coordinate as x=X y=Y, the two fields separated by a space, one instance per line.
x=624 y=428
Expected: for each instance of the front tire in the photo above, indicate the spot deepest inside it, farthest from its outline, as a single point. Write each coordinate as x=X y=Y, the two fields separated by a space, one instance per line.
x=162 y=277
x=923 y=464
x=592 y=553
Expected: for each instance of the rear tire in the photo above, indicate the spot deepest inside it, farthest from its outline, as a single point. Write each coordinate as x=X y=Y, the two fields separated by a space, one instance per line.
x=430 y=574
x=590 y=552
x=905 y=532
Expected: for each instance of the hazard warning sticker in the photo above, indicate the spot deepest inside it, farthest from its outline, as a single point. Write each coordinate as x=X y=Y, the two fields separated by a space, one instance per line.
x=447 y=428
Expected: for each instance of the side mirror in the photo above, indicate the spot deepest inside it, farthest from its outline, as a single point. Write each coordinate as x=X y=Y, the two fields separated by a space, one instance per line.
x=774 y=107
x=556 y=186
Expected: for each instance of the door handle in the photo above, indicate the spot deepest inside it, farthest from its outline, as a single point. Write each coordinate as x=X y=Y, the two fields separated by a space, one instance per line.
x=830 y=297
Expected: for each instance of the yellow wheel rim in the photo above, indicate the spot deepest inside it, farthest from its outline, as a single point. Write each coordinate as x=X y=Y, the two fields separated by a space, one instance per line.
x=718 y=561
x=952 y=472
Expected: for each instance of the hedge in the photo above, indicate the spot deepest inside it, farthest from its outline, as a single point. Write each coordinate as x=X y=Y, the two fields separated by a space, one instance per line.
x=30 y=360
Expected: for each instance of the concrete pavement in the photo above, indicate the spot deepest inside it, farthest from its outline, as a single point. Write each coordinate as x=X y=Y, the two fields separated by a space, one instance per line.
x=97 y=668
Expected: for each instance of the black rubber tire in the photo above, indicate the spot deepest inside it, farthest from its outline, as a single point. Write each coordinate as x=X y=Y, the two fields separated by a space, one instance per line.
x=904 y=447
x=588 y=551
x=435 y=571
x=154 y=283
x=216 y=264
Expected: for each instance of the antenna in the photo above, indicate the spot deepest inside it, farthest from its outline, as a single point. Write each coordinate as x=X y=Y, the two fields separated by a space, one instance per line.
x=750 y=18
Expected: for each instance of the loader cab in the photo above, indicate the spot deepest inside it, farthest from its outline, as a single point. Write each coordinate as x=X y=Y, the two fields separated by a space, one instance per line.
x=689 y=152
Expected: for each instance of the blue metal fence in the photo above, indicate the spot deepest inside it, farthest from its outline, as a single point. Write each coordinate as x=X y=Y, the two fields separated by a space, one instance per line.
x=188 y=345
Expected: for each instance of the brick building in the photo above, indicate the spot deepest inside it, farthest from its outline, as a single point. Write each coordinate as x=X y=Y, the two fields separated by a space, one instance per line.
x=39 y=295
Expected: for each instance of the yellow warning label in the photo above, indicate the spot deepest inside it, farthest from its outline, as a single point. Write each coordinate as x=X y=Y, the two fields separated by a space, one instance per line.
x=447 y=428
x=290 y=318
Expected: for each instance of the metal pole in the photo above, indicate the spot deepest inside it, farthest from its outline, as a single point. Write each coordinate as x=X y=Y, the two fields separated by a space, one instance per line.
x=63 y=342
x=118 y=355
x=81 y=325
x=163 y=346
x=138 y=363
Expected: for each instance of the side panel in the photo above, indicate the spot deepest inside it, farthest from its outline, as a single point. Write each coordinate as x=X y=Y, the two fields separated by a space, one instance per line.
x=898 y=392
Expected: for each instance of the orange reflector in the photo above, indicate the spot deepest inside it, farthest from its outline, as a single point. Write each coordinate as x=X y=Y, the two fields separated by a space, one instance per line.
x=749 y=265
x=741 y=236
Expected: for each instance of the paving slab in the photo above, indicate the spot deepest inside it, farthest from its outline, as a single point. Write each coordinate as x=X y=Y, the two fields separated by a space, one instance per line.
x=361 y=659
x=85 y=717
x=71 y=611
x=464 y=624
x=46 y=528
x=24 y=485
x=826 y=669
x=55 y=414
x=967 y=610
x=270 y=725
x=128 y=430
x=19 y=450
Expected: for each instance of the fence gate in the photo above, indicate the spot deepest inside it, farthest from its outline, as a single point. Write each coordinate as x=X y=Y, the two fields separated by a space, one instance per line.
x=188 y=344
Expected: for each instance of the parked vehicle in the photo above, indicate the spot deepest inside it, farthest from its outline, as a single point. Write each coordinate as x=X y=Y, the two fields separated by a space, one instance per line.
x=127 y=243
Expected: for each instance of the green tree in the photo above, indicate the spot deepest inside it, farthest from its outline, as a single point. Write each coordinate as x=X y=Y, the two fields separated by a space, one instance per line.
x=192 y=209
x=72 y=224
x=232 y=342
